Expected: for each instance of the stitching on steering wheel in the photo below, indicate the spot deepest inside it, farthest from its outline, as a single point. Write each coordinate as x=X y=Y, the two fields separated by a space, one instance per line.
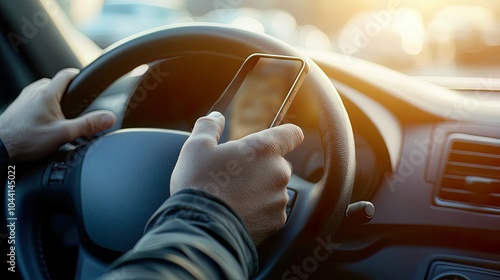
x=39 y=249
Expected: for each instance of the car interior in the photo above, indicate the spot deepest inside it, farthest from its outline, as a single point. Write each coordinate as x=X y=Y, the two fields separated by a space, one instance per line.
x=398 y=176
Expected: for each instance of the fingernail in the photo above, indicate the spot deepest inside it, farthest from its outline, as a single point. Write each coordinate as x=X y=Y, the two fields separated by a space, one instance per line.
x=107 y=121
x=215 y=114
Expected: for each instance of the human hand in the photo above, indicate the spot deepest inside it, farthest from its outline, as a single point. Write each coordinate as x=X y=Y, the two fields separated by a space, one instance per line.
x=34 y=126
x=249 y=174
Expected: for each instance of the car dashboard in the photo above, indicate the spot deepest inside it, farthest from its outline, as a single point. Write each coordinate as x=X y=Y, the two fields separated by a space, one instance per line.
x=428 y=158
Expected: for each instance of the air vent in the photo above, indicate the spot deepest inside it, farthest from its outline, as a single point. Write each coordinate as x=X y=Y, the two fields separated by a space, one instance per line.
x=471 y=174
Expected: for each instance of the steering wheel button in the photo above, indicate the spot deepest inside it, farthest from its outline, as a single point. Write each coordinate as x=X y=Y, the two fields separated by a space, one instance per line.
x=57 y=173
x=57 y=176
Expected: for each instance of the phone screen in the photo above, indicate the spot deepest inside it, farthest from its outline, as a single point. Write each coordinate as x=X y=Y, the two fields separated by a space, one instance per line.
x=259 y=95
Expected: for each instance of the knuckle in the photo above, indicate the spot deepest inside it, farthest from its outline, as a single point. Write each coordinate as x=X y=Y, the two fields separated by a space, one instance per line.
x=199 y=140
x=282 y=178
x=297 y=133
x=42 y=95
x=265 y=147
x=207 y=121
x=285 y=199
x=67 y=73
x=281 y=204
x=43 y=91
x=90 y=126
x=294 y=136
x=44 y=81
x=283 y=174
x=36 y=88
x=280 y=220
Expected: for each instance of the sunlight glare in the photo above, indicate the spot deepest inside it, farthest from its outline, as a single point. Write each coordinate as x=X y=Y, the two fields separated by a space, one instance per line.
x=409 y=25
x=315 y=38
x=249 y=24
x=283 y=23
x=139 y=70
x=84 y=10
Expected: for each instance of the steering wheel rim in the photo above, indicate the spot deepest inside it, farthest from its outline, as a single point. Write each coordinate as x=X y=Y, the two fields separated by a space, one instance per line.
x=318 y=209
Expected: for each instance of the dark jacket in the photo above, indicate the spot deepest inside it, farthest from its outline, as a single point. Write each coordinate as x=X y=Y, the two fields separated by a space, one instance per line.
x=193 y=235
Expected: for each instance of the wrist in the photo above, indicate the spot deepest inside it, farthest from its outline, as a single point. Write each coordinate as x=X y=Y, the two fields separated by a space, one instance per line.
x=8 y=140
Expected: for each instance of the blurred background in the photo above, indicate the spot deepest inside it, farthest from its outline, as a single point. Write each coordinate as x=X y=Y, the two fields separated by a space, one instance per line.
x=459 y=38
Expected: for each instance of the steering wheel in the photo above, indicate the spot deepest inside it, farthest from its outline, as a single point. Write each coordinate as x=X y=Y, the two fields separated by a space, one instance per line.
x=113 y=184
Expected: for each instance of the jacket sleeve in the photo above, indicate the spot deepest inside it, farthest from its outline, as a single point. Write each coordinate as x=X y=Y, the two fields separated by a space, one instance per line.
x=193 y=235
x=4 y=162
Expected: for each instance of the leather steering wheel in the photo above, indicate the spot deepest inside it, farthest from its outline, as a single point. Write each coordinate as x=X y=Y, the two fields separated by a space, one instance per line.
x=115 y=183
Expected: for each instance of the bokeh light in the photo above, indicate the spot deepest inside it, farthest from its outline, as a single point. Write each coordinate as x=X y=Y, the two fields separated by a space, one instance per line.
x=415 y=37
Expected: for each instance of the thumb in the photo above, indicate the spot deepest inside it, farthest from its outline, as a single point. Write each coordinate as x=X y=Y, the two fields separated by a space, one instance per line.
x=89 y=124
x=281 y=139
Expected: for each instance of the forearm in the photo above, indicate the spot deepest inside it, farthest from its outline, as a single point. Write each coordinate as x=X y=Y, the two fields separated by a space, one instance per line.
x=192 y=235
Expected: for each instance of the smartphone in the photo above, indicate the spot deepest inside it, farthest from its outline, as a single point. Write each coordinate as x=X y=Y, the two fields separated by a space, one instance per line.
x=260 y=94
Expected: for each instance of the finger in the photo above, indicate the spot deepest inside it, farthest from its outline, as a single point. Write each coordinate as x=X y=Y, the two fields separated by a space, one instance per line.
x=284 y=172
x=39 y=83
x=208 y=129
x=290 y=165
x=33 y=88
x=61 y=81
x=89 y=124
x=282 y=139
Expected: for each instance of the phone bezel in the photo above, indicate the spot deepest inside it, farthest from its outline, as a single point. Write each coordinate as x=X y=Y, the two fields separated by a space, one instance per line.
x=227 y=96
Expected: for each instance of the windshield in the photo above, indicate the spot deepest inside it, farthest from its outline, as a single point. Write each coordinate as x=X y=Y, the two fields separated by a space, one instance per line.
x=424 y=37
